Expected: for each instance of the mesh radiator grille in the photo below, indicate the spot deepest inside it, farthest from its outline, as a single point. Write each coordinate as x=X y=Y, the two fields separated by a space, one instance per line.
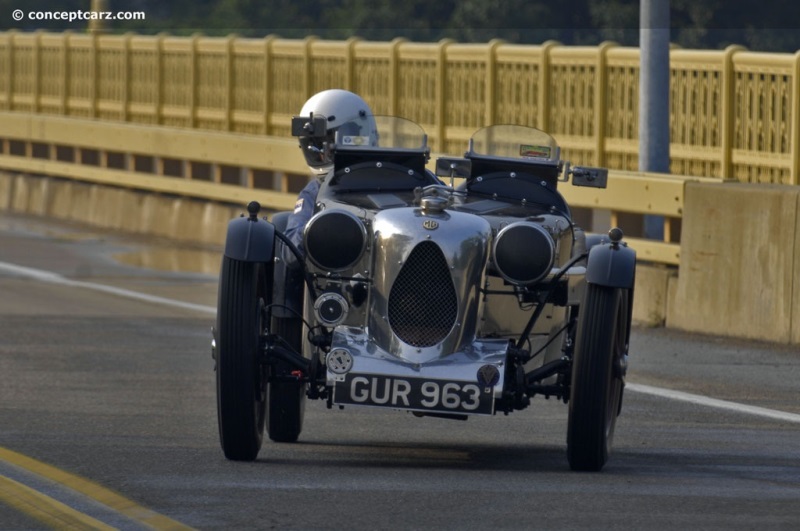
x=422 y=303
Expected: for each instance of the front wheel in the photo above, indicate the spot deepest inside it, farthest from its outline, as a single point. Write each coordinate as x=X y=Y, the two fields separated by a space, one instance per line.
x=241 y=385
x=597 y=379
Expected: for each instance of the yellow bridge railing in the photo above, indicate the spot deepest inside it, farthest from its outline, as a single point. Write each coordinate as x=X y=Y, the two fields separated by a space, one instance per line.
x=734 y=114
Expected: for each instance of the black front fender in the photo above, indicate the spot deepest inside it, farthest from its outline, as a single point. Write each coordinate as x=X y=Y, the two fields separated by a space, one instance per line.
x=250 y=239
x=612 y=265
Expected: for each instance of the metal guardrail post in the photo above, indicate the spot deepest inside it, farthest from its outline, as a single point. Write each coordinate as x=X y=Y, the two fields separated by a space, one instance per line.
x=95 y=81
x=795 y=133
x=394 y=75
x=268 y=40
x=10 y=70
x=491 y=81
x=308 y=78
x=65 y=60
x=441 y=77
x=229 y=94
x=600 y=107
x=543 y=102
x=350 y=63
x=37 y=71
x=193 y=81
x=159 y=92
x=727 y=106
x=127 y=89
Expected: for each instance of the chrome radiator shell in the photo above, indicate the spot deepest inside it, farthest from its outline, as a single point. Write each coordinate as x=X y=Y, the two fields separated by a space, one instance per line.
x=403 y=233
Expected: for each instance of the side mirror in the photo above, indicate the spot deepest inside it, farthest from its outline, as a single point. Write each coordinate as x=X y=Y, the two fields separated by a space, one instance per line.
x=453 y=167
x=592 y=177
x=313 y=126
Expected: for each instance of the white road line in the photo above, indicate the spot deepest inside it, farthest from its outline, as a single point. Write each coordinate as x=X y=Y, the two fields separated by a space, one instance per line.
x=713 y=402
x=55 y=278
x=47 y=276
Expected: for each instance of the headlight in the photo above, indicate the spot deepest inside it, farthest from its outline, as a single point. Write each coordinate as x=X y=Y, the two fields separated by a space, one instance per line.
x=335 y=240
x=524 y=253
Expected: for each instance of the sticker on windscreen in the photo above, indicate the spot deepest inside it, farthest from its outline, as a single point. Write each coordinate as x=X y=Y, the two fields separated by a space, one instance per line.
x=351 y=140
x=538 y=152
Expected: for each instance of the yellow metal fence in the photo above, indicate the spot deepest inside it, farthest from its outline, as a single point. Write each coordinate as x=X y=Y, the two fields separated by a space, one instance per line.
x=734 y=114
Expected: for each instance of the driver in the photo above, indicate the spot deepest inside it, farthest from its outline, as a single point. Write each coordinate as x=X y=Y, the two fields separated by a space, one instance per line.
x=342 y=109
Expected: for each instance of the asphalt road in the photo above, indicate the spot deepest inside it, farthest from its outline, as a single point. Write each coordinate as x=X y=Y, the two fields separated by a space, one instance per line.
x=107 y=408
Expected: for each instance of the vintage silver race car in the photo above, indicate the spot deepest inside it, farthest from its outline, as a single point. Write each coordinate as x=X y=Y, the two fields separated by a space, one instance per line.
x=463 y=296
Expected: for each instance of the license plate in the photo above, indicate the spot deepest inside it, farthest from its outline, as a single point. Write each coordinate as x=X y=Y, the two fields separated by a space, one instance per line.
x=418 y=394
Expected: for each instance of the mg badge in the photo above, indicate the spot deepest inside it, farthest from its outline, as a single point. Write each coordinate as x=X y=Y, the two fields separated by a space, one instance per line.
x=430 y=224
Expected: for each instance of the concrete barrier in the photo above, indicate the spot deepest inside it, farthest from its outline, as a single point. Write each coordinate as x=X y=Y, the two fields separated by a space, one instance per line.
x=178 y=218
x=740 y=262
x=652 y=293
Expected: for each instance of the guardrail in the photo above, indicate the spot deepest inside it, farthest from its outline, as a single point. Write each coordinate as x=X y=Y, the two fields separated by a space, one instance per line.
x=235 y=168
x=734 y=114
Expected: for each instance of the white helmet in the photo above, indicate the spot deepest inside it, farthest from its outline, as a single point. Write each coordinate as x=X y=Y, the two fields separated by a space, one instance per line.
x=339 y=107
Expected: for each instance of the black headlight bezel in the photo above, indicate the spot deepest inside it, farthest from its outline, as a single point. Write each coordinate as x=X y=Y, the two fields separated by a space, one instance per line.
x=335 y=240
x=523 y=253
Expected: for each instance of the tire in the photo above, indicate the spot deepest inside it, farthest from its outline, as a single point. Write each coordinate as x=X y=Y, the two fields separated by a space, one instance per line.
x=597 y=379
x=286 y=400
x=241 y=385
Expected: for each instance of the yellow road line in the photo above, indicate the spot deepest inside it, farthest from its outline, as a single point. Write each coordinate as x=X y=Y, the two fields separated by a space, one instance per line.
x=45 y=509
x=111 y=499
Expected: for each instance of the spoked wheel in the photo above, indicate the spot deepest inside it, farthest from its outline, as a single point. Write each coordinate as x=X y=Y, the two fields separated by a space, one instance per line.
x=241 y=385
x=286 y=399
x=597 y=376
